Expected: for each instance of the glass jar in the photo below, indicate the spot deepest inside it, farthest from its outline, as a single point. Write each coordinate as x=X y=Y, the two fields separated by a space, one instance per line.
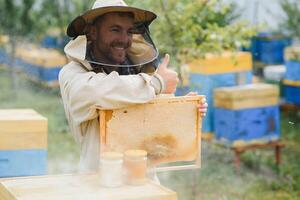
x=135 y=165
x=111 y=169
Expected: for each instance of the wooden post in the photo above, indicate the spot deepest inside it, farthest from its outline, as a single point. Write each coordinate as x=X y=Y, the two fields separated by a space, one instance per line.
x=237 y=160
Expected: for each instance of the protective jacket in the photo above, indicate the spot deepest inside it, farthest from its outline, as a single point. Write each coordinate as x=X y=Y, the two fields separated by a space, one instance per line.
x=84 y=91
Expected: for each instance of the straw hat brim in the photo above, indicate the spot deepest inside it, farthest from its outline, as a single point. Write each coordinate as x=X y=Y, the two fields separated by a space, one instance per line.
x=79 y=24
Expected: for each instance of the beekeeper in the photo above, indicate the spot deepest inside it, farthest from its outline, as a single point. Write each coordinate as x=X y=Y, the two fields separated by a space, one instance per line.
x=113 y=64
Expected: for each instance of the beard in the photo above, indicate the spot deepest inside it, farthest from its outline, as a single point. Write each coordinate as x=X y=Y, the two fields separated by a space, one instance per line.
x=114 y=52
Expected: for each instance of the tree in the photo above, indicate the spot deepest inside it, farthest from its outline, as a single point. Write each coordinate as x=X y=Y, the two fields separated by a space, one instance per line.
x=290 y=22
x=16 y=21
x=59 y=13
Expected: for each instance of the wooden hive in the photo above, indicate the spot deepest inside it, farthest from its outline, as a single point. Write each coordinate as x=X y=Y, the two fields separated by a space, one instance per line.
x=246 y=96
x=78 y=187
x=292 y=53
x=218 y=70
x=291 y=91
x=247 y=114
x=224 y=63
x=167 y=128
x=23 y=142
x=41 y=57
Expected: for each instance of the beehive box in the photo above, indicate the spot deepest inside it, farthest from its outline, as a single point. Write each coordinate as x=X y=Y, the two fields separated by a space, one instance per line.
x=40 y=64
x=78 y=187
x=215 y=71
x=292 y=53
x=272 y=49
x=292 y=91
x=168 y=128
x=247 y=114
x=4 y=58
x=23 y=143
x=292 y=70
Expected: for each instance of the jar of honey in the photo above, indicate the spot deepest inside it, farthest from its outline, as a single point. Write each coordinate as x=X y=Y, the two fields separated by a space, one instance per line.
x=135 y=166
x=111 y=169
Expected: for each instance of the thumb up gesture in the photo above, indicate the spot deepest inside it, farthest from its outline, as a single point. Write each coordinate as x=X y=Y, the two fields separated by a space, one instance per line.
x=169 y=76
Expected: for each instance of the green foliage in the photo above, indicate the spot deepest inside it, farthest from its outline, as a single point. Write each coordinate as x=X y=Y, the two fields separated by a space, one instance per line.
x=58 y=14
x=34 y=18
x=16 y=17
x=290 y=23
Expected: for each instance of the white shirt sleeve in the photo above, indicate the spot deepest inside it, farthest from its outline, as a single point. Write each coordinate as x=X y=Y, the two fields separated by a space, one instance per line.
x=83 y=92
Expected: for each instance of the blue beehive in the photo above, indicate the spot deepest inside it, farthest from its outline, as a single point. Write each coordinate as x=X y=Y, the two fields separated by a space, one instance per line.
x=269 y=48
x=41 y=64
x=247 y=114
x=23 y=143
x=291 y=82
x=272 y=50
x=292 y=70
x=292 y=63
x=215 y=71
x=3 y=57
x=292 y=91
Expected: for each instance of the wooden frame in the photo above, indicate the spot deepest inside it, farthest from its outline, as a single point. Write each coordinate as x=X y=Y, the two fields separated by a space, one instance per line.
x=148 y=117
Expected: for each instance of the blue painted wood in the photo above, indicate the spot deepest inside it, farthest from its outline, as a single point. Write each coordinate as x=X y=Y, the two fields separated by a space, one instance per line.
x=49 y=74
x=182 y=90
x=39 y=73
x=292 y=70
x=23 y=162
x=31 y=70
x=4 y=58
x=292 y=94
x=272 y=50
x=247 y=124
x=205 y=84
x=49 y=42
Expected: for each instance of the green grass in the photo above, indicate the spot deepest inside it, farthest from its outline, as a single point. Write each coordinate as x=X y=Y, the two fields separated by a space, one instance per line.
x=216 y=180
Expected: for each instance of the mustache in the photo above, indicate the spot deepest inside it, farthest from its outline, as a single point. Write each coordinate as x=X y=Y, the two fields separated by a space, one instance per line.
x=121 y=44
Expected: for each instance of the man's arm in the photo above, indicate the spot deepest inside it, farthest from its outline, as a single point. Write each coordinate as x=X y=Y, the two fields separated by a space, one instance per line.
x=83 y=92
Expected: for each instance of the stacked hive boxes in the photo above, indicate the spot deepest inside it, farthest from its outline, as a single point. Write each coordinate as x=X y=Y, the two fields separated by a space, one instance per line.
x=40 y=64
x=23 y=143
x=215 y=71
x=292 y=76
x=247 y=114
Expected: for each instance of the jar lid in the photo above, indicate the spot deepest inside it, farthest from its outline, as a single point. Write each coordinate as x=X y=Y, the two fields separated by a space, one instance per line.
x=110 y=155
x=135 y=153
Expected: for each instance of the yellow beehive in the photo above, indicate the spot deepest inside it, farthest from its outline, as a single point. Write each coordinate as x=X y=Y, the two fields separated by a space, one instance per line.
x=78 y=187
x=4 y=39
x=168 y=128
x=22 y=129
x=224 y=63
x=40 y=56
x=246 y=96
x=292 y=53
x=291 y=83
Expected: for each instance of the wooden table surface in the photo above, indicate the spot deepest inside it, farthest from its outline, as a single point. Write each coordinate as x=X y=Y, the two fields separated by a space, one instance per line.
x=78 y=187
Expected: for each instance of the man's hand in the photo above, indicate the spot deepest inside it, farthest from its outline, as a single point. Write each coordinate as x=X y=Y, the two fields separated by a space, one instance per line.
x=202 y=107
x=169 y=76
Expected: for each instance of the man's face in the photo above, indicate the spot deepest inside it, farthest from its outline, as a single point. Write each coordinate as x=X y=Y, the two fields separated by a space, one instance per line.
x=113 y=38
